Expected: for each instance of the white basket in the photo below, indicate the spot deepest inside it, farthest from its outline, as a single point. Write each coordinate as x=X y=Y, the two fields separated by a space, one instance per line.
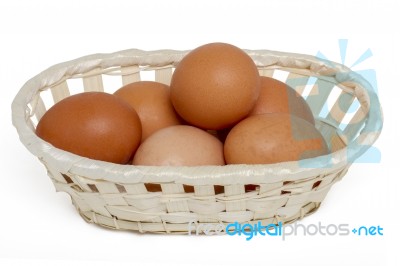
x=167 y=199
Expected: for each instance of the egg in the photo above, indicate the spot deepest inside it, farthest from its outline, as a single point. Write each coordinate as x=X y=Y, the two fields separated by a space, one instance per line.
x=151 y=101
x=273 y=138
x=95 y=125
x=215 y=86
x=278 y=97
x=180 y=145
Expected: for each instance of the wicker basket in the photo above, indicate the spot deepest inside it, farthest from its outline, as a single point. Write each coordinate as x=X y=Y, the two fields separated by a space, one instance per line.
x=168 y=199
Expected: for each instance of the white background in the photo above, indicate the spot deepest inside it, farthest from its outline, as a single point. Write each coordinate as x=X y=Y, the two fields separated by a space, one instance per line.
x=40 y=227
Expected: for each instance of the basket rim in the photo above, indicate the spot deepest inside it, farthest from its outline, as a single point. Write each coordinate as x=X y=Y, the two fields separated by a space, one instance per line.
x=94 y=169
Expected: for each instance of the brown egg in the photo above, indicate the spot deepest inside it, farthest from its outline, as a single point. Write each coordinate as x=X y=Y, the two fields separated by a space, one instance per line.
x=180 y=146
x=273 y=138
x=278 y=97
x=96 y=125
x=152 y=103
x=215 y=86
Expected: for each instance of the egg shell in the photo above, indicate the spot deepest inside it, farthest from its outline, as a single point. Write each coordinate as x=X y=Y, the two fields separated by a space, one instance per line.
x=180 y=146
x=215 y=86
x=278 y=97
x=273 y=138
x=152 y=103
x=95 y=125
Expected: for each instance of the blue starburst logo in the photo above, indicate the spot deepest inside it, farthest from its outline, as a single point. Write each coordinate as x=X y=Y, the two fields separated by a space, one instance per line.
x=368 y=74
x=372 y=155
x=331 y=96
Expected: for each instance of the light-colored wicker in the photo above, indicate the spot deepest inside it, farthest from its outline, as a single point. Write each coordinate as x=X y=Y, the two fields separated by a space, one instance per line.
x=166 y=199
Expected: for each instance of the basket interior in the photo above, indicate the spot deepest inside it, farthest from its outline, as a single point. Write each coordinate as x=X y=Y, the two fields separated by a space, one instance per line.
x=336 y=110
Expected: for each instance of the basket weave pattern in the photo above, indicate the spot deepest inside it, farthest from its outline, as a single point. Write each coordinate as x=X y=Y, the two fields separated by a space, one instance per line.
x=166 y=199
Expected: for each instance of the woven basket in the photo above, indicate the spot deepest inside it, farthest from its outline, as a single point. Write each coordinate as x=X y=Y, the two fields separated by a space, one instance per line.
x=169 y=199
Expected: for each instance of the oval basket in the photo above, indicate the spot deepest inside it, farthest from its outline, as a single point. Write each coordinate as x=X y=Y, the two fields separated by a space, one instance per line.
x=174 y=199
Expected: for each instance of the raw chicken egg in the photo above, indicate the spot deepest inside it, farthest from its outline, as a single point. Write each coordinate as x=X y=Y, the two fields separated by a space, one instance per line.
x=273 y=138
x=215 y=86
x=95 y=125
x=152 y=103
x=278 y=97
x=180 y=146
